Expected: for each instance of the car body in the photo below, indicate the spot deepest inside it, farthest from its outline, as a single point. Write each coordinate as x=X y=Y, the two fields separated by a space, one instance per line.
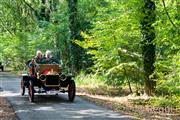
x=47 y=78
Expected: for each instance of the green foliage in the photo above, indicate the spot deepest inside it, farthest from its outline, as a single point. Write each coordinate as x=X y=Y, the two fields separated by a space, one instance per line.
x=168 y=52
x=90 y=80
x=113 y=40
x=22 y=33
x=171 y=102
x=165 y=102
x=95 y=84
x=168 y=74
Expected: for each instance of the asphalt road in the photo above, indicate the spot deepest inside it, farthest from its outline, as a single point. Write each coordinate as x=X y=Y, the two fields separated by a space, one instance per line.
x=52 y=107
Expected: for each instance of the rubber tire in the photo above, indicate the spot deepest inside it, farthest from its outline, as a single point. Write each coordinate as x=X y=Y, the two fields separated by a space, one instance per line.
x=22 y=87
x=31 y=91
x=71 y=91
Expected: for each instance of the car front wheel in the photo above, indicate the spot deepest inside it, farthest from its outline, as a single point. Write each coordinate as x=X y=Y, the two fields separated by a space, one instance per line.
x=31 y=91
x=71 y=90
x=22 y=87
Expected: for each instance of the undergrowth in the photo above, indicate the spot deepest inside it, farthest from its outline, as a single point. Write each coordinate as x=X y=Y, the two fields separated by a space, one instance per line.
x=94 y=84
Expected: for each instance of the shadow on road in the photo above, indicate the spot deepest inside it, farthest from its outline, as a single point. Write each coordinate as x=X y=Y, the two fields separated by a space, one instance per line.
x=51 y=99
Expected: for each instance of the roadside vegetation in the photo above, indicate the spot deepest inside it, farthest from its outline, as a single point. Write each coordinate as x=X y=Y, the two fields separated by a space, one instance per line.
x=119 y=98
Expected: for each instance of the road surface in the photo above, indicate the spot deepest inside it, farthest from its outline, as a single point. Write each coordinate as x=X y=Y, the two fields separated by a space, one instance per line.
x=52 y=107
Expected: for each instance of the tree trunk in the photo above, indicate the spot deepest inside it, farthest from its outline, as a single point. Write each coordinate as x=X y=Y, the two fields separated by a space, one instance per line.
x=75 y=50
x=148 y=47
x=53 y=8
x=129 y=83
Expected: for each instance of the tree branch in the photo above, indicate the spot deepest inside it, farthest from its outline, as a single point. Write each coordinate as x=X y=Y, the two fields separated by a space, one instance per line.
x=3 y=26
x=168 y=14
x=29 y=6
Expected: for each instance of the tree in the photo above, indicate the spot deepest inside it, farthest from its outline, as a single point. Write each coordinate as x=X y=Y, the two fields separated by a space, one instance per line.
x=148 y=47
x=75 y=50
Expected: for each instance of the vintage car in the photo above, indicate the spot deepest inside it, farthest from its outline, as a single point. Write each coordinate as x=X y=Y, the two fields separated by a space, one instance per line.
x=1 y=67
x=47 y=78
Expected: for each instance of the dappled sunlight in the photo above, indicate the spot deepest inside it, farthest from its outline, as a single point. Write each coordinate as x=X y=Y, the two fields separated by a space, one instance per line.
x=9 y=94
x=123 y=99
x=100 y=113
x=78 y=110
x=22 y=111
x=45 y=109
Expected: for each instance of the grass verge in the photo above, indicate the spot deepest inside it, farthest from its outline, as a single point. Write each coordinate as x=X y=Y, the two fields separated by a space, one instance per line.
x=92 y=88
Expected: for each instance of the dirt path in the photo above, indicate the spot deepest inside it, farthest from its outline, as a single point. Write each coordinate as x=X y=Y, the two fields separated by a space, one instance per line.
x=6 y=111
x=52 y=107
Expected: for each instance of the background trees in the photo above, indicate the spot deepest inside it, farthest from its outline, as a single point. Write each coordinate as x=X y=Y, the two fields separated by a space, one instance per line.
x=118 y=40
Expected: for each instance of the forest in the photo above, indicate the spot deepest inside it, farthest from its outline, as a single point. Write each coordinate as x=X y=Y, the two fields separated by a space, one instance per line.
x=119 y=44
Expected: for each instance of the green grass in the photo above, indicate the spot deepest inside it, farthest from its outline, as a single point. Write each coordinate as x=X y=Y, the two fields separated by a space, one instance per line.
x=158 y=102
x=94 y=84
x=89 y=80
x=165 y=102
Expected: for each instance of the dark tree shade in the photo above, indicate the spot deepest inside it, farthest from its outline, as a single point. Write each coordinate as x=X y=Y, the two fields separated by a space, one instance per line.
x=44 y=12
x=75 y=50
x=148 y=48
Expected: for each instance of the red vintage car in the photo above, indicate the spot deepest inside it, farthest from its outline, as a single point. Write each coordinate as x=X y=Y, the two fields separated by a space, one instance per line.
x=44 y=78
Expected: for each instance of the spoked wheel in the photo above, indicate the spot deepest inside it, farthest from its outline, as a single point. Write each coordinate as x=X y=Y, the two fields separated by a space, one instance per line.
x=22 y=87
x=31 y=91
x=71 y=90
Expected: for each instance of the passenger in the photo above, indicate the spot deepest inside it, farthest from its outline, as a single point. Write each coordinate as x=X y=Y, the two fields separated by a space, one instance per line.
x=49 y=58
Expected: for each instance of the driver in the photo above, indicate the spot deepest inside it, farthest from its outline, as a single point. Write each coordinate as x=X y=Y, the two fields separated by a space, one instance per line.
x=39 y=57
x=32 y=64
